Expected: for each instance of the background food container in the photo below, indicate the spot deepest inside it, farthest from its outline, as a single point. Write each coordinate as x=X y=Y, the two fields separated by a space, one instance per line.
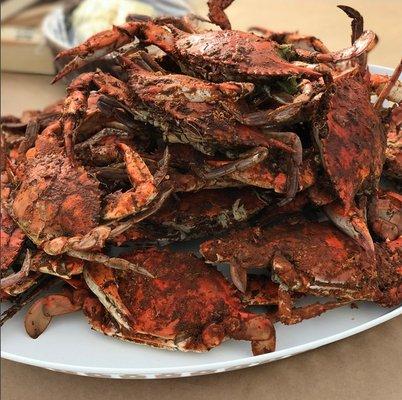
x=60 y=36
x=59 y=32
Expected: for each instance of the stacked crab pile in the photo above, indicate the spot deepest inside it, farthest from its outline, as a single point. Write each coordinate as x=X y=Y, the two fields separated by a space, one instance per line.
x=264 y=144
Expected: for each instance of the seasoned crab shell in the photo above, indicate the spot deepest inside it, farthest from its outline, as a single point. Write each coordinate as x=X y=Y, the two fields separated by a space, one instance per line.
x=187 y=306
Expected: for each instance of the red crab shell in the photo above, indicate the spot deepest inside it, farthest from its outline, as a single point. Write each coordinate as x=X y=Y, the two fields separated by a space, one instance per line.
x=55 y=198
x=318 y=249
x=187 y=306
x=353 y=143
x=236 y=55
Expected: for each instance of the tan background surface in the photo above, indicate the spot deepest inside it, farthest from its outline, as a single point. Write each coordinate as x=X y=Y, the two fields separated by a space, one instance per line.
x=366 y=366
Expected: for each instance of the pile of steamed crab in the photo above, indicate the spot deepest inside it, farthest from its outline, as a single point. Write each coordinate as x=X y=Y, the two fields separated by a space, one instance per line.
x=281 y=158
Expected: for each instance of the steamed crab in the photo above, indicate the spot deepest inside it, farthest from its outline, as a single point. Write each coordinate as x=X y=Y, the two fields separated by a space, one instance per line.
x=202 y=114
x=194 y=309
x=215 y=55
x=352 y=144
x=312 y=258
x=58 y=205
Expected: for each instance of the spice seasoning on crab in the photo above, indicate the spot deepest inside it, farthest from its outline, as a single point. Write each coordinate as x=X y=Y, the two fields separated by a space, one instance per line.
x=190 y=309
x=263 y=133
x=351 y=139
x=336 y=267
x=205 y=123
x=214 y=55
x=57 y=204
x=12 y=240
x=188 y=306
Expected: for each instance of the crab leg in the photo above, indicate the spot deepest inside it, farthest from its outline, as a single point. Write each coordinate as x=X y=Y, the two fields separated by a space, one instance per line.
x=217 y=14
x=26 y=297
x=289 y=315
x=99 y=282
x=294 y=163
x=81 y=246
x=31 y=133
x=246 y=160
x=105 y=132
x=76 y=103
x=378 y=82
x=148 y=61
x=239 y=276
x=292 y=280
x=286 y=113
x=388 y=86
x=277 y=116
x=163 y=167
x=385 y=215
x=259 y=330
x=163 y=194
x=362 y=45
x=97 y=46
x=289 y=38
x=111 y=262
x=111 y=108
x=61 y=266
x=74 y=107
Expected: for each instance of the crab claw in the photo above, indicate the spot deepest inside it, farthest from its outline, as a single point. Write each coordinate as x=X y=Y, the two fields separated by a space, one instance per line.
x=239 y=277
x=216 y=13
x=247 y=160
x=352 y=223
x=43 y=310
x=96 y=47
x=123 y=204
x=278 y=116
x=256 y=328
x=95 y=239
x=13 y=279
x=357 y=21
x=385 y=215
x=363 y=44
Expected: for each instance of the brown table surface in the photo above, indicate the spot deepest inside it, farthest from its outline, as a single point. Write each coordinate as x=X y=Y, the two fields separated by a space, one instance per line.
x=365 y=366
